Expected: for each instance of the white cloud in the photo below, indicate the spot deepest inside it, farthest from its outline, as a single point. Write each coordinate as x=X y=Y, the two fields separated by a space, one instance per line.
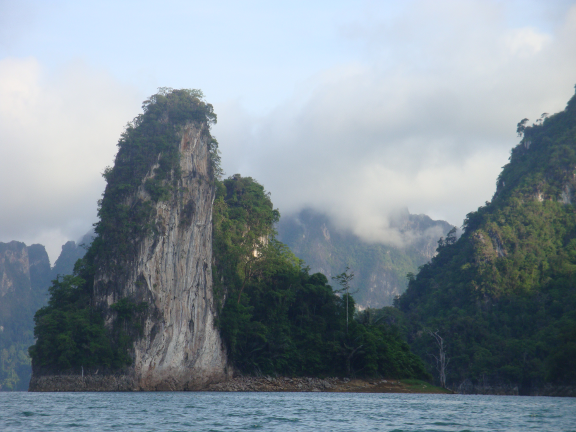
x=57 y=133
x=426 y=121
x=526 y=42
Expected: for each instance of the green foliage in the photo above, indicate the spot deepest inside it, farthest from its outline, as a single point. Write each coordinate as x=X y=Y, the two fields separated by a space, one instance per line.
x=126 y=310
x=344 y=279
x=69 y=333
x=243 y=219
x=503 y=296
x=275 y=317
x=14 y=367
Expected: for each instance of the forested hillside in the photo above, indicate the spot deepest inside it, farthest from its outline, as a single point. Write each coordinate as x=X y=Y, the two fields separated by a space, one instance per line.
x=380 y=269
x=503 y=296
x=276 y=317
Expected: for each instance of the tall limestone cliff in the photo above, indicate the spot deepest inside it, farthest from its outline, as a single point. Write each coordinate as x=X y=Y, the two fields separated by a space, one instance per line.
x=148 y=272
x=180 y=347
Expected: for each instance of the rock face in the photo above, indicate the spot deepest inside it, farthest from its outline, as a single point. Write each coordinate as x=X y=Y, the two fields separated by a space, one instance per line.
x=179 y=347
x=14 y=267
x=23 y=268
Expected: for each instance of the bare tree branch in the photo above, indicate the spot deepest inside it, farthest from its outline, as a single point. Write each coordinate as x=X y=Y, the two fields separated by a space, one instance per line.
x=442 y=361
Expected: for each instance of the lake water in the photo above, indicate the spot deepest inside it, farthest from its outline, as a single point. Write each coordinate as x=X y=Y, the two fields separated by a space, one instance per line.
x=282 y=412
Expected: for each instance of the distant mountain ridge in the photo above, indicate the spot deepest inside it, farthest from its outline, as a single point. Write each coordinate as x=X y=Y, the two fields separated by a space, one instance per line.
x=71 y=252
x=380 y=270
x=24 y=279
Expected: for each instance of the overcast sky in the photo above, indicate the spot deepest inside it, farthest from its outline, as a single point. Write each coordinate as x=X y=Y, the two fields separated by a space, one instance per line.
x=353 y=108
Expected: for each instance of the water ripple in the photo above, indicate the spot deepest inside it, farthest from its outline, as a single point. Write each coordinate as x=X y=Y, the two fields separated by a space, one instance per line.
x=282 y=412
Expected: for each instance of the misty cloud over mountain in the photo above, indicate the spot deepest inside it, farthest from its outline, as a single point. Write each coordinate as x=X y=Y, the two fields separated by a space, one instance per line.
x=425 y=122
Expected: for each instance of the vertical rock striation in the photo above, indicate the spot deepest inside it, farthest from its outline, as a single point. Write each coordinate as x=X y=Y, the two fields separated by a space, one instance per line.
x=24 y=269
x=180 y=347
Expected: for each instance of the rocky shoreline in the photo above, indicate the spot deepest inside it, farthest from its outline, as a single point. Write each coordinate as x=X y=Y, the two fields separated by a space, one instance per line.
x=309 y=384
x=123 y=383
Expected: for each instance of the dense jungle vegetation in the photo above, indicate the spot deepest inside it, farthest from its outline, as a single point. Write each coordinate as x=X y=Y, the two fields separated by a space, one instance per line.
x=503 y=296
x=276 y=318
x=28 y=294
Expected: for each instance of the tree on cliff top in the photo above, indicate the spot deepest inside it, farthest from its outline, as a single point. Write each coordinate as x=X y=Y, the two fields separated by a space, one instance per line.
x=153 y=137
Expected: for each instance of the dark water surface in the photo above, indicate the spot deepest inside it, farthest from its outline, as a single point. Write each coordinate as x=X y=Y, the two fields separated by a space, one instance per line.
x=282 y=412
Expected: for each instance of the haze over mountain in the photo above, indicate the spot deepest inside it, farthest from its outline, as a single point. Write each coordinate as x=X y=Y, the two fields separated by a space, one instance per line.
x=71 y=252
x=500 y=298
x=348 y=113
x=379 y=270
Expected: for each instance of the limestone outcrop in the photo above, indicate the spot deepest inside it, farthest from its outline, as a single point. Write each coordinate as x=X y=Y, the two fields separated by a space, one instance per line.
x=178 y=346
